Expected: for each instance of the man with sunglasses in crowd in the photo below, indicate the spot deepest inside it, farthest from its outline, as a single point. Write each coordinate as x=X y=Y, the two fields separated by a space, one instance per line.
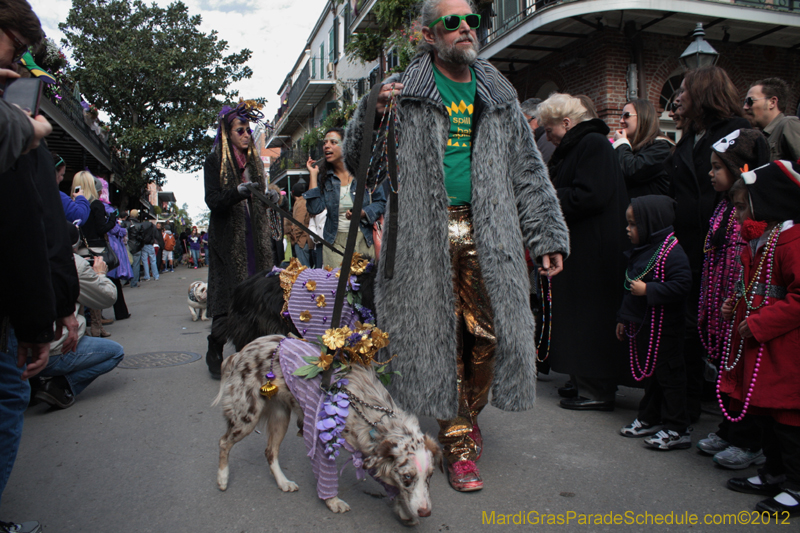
x=763 y=107
x=473 y=193
x=40 y=289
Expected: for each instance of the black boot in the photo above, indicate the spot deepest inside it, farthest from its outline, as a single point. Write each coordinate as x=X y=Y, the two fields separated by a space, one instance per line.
x=214 y=357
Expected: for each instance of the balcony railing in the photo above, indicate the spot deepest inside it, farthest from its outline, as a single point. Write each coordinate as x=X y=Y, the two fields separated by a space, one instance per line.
x=69 y=106
x=503 y=22
x=288 y=160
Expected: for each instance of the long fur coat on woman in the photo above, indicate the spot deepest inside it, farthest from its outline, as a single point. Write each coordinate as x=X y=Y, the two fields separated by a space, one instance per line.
x=227 y=228
x=514 y=206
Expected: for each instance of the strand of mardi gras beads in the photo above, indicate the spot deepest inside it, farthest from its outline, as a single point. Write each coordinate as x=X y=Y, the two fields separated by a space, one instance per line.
x=717 y=282
x=769 y=254
x=650 y=264
x=659 y=274
x=549 y=321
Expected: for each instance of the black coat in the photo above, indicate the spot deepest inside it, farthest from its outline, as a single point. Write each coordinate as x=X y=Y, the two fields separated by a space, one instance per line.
x=690 y=186
x=228 y=233
x=644 y=171
x=587 y=294
x=98 y=224
x=40 y=280
x=654 y=216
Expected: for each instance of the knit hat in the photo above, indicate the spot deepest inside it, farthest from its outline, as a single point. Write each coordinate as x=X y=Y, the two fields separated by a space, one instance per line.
x=774 y=191
x=742 y=150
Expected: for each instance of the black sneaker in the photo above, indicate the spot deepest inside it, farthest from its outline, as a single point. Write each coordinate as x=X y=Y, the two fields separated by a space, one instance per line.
x=56 y=392
x=25 y=527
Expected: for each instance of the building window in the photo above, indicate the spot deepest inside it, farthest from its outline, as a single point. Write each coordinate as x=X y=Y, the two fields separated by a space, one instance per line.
x=348 y=19
x=313 y=69
x=332 y=44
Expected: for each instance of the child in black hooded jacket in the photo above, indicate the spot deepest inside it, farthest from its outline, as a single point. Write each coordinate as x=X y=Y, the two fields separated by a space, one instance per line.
x=658 y=280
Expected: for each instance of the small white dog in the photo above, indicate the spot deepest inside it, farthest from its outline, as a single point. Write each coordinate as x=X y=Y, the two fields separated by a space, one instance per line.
x=198 y=300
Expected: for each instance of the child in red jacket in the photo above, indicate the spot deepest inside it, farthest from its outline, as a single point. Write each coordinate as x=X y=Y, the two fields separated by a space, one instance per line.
x=761 y=365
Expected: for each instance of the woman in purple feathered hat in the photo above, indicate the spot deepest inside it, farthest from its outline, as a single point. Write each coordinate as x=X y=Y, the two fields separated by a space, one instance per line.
x=237 y=230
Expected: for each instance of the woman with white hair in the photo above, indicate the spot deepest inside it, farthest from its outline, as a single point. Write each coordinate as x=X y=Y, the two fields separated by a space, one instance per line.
x=586 y=174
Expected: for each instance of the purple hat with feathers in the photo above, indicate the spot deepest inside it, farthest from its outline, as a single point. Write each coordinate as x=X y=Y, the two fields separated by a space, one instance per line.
x=245 y=110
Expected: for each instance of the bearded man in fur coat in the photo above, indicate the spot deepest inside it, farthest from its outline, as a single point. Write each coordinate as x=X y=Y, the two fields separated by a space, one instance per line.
x=237 y=230
x=473 y=194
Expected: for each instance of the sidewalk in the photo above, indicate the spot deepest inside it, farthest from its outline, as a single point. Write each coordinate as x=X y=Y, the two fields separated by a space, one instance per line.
x=137 y=453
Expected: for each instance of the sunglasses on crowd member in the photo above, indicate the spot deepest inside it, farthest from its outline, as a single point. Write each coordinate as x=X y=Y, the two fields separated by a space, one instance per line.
x=672 y=107
x=627 y=114
x=750 y=100
x=19 y=47
x=453 y=22
x=240 y=131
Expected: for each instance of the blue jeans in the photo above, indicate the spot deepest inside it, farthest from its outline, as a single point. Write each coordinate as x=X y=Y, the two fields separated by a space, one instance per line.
x=14 y=396
x=137 y=263
x=94 y=357
x=196 y=256
x=149 y=258
x=302 y=255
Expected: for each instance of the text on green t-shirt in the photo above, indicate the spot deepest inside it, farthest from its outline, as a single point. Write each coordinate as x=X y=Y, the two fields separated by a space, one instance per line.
x=459 y=99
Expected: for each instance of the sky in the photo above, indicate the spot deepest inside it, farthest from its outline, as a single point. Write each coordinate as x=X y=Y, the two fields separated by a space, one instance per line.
x=275 y=30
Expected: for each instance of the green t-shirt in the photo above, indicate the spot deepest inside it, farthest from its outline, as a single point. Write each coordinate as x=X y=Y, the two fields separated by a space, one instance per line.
x=458 y=98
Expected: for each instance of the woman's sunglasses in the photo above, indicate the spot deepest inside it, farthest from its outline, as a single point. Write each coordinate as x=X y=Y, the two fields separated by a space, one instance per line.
x=240 y=131
x=19 y=47
x=453 y=22
x=749 y=101
x=627 y=114
x=672 y=107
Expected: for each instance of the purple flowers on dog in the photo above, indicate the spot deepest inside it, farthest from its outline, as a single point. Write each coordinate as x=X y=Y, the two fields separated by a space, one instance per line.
x=332 y=419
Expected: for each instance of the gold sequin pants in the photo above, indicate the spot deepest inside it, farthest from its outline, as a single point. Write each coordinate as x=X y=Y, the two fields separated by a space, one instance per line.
x=475 y=343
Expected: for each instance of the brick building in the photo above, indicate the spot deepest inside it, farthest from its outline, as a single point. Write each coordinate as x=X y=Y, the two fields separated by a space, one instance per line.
x=617 y=51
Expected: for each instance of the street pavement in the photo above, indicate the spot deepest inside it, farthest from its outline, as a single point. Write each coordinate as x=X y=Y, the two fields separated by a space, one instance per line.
x=137 y=453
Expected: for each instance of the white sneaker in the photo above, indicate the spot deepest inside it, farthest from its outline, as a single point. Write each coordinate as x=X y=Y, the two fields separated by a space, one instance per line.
x=669 y=440
x=712 y=444
x=739 y=458
x=638 y=428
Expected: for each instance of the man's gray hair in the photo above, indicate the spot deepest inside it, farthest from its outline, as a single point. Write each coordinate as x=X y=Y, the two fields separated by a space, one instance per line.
x=428 y=12
x=529 y=107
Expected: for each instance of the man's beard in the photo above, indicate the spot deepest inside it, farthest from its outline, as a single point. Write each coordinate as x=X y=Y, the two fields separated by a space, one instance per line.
x=455 y=54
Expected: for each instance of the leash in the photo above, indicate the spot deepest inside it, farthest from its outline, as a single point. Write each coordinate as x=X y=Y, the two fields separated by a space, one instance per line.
x=272 y=205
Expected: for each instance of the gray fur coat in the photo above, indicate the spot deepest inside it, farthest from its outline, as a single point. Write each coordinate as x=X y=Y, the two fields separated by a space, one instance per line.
x=514 y=206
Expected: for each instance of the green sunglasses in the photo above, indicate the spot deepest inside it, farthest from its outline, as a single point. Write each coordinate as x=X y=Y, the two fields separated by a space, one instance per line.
x=453 y=22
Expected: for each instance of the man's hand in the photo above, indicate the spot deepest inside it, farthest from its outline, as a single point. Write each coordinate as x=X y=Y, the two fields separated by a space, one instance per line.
x=39 y=355
x=621 y=332
x=638 y=288
x=552 y=264
x=70 y=344
x=744 y=330
x=387 y=92
x=41 y=129
x=99 y=265
x=7 y=73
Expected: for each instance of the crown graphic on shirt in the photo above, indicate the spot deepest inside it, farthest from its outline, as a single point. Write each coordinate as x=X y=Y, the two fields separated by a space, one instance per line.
x=460 y=108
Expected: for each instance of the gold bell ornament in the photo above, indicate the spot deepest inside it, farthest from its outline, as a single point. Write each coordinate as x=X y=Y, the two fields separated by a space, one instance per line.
x=269 y=389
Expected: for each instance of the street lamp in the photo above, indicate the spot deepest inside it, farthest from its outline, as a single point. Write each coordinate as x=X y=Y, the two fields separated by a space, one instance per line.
x=699 y=53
